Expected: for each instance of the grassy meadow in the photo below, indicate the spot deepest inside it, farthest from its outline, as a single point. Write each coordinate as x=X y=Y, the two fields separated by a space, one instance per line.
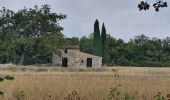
x=57 y=83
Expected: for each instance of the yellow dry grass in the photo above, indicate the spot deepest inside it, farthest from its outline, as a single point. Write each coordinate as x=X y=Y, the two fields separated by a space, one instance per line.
x=89 y=85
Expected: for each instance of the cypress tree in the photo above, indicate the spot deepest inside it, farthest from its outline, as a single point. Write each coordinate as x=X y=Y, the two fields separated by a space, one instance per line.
x=103 y=43
x=96 y=39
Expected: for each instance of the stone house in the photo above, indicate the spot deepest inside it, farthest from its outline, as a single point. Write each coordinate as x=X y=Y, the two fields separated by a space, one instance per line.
x=71 y=56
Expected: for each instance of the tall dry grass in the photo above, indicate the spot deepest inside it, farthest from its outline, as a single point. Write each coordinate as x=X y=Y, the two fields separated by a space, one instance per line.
x=89 y=85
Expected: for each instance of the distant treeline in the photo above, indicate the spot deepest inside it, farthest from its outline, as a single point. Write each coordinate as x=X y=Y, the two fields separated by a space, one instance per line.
x=32 y=35
x=139 y=51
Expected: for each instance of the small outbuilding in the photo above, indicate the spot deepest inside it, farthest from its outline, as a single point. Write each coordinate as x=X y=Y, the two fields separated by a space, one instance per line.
x=71 y=56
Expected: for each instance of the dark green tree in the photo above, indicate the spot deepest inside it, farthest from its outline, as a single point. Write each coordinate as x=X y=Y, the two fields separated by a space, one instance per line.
x=72 y=41
x=7 y=37
x=103 y=43
x=30 y=35
x=97 y=40
x=86 y=44
x=41 y=26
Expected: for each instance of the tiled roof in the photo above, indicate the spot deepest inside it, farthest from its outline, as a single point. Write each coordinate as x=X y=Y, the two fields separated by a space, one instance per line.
x=72 y=47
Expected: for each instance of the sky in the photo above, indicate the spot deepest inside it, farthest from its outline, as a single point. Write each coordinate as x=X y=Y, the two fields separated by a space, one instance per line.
x=122 y=18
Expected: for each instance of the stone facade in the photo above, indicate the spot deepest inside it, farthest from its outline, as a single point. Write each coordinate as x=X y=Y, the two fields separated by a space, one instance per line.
x=73 y=57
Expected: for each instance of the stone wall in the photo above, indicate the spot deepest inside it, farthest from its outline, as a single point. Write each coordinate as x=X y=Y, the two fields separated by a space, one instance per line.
x=76 y=59
x=96 y=61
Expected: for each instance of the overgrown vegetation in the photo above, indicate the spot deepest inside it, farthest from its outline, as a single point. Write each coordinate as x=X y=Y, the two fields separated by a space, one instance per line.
x=7 y=77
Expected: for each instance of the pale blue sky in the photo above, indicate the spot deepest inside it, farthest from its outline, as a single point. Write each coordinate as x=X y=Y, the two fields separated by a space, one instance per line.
x=121 y=17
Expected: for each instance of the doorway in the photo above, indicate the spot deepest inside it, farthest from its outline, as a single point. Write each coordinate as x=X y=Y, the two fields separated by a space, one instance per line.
x=89 y=62
x=64 y=62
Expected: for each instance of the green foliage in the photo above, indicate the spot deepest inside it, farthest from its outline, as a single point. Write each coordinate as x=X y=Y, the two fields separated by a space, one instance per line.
x=29 y=36
x=99 y=47
x=1 y=79
x=86 y=44
x=140 y=51
x=97 y=40
x=103 y=43
x=1 y=93
x=9 y=77
x=168 y=96
x=72 y=41
x=159 y=96
x=144 y=5
x=128 y=96
x=114 y=93
x=123 y=61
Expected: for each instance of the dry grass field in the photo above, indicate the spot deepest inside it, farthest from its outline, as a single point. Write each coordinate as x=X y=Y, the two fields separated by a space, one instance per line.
x=90 y=85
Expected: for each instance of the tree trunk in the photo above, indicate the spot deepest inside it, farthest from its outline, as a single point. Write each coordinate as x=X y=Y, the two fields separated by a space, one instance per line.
x=21 y=62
